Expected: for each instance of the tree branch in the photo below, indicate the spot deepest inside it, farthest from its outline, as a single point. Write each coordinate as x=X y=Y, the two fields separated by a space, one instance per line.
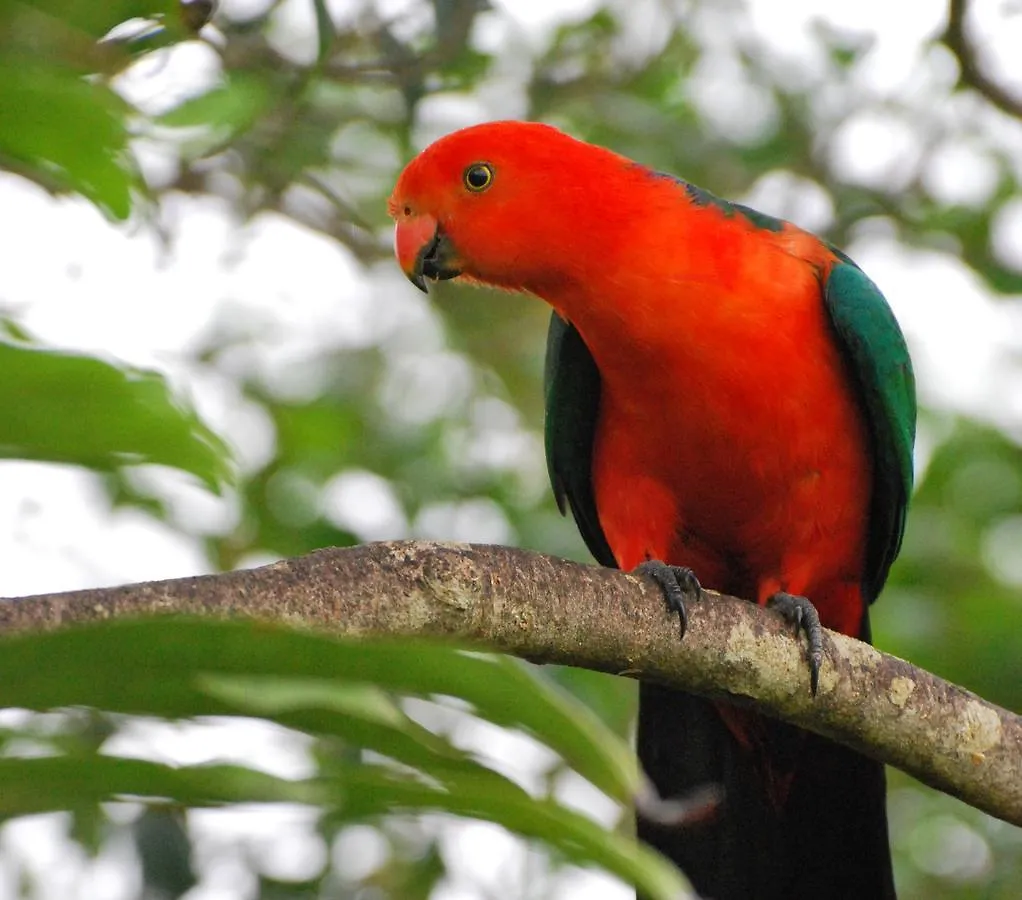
x=553 y=611
x=957 y=41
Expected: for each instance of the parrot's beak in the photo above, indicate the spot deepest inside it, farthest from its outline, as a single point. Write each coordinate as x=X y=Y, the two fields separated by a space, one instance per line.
x=424 y=251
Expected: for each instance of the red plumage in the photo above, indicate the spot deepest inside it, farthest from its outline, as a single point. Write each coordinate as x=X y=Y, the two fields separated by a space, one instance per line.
x=731 y=439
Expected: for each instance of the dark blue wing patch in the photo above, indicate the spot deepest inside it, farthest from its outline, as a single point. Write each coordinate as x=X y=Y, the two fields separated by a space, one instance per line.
x=572 y=389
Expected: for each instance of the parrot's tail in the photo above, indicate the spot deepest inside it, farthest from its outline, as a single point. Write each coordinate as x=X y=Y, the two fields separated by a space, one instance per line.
x=802 y=818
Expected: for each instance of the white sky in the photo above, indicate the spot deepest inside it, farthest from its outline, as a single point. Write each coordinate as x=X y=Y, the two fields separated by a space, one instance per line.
x=80 y=282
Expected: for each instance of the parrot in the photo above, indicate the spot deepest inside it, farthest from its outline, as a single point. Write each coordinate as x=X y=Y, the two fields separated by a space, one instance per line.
x=729 y=404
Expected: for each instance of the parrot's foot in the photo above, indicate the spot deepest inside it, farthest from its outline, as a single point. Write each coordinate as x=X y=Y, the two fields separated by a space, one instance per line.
x=801 y=613
x=675 y=582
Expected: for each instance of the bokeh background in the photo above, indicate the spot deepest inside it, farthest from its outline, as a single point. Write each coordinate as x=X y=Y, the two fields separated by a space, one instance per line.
x=255 y=273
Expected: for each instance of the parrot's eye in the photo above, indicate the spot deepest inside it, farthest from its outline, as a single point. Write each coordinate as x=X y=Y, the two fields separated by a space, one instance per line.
x=478 y=176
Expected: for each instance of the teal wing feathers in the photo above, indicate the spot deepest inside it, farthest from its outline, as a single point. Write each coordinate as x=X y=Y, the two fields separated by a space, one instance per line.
x=572 y=391
x=874 y=347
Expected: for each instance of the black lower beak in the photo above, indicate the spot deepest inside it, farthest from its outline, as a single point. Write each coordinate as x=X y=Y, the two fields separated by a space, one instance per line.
x=436 y=261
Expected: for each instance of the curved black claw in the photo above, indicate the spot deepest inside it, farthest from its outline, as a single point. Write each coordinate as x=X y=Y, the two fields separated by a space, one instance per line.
x=801 y=613
x=675 y=582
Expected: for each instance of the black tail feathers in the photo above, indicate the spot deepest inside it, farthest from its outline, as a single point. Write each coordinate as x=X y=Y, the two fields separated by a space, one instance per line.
x=826 y=841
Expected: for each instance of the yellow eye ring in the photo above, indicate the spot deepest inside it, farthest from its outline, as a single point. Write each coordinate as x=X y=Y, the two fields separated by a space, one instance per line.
x=478 y=177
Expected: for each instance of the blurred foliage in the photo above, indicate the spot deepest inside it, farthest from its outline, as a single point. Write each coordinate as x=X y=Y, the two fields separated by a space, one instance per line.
x=311 y=111
x=62 y=407
x=340 y=693
x=57 y=406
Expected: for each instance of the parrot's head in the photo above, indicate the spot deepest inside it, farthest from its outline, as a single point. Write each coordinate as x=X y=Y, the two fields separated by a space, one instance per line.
x=504 y=204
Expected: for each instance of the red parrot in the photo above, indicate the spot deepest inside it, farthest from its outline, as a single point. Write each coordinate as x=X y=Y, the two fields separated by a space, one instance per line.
x=726 y=395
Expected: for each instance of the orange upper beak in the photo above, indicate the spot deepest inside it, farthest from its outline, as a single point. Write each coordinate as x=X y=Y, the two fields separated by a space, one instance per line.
x=424 y=251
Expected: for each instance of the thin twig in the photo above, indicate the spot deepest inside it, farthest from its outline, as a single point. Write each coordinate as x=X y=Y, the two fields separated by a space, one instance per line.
x=957 y=41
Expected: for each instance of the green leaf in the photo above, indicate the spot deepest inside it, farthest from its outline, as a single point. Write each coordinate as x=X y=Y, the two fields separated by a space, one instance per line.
x=37 y=105
x=612 y=698
x=63 y=407
x=166 y=657
x=181 y=668
x=29 y=786
x=325 y=32
x=362 y=714
x=96 y=19
x=231 y=107
x=355 y=793
x=374 y=792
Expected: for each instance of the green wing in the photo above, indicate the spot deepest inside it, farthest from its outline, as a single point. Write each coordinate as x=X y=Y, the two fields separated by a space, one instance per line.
x=874 y=347
x=572 y=388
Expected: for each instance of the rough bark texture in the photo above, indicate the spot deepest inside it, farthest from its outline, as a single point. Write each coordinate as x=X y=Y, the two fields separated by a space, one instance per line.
x=553 y=611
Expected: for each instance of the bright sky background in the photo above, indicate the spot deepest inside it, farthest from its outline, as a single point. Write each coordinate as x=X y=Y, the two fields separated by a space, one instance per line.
x=78 y=282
